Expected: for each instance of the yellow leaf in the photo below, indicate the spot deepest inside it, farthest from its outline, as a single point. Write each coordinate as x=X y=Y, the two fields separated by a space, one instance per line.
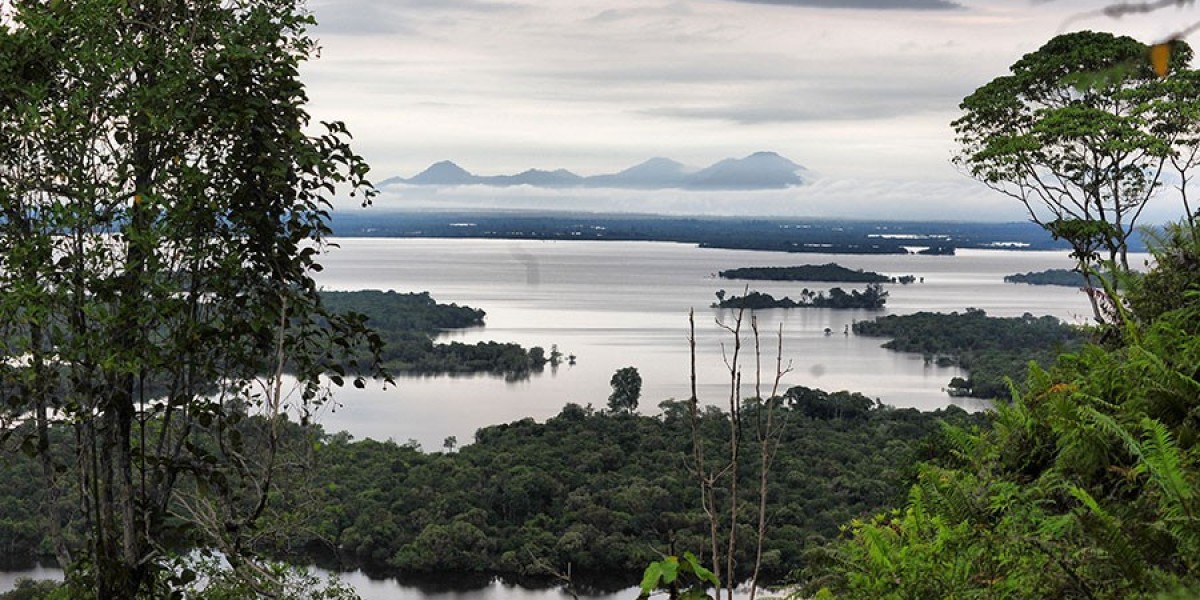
x=1160 y=58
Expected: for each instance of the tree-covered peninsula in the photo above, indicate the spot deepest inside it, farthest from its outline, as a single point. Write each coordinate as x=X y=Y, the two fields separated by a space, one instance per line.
x=993 y=349
x=408 y=322
x=1063 y=277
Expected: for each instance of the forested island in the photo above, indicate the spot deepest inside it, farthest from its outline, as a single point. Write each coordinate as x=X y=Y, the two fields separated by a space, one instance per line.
x=872 y=297
x=993 y=349
x=1063 y=277
x=408 y=322
x=825 y=272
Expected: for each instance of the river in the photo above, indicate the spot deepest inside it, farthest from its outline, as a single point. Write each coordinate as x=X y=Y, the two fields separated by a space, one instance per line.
x=617 y=304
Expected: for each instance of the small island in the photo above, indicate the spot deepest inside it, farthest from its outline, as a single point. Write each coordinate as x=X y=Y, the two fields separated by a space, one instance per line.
x=873 y=297
x=1063 y=277
x=825 y=272
x=937 y=251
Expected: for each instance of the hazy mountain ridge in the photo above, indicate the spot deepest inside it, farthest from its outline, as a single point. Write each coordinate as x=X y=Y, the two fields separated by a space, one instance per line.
x=758 y=171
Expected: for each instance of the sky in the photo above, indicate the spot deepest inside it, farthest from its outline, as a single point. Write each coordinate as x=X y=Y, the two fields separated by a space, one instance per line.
x=860 y=92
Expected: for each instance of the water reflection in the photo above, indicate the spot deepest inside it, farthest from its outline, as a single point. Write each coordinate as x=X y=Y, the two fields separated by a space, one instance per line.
x=618 y=304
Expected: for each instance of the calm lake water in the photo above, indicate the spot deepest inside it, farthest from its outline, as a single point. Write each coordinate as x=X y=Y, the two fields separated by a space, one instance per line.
x=617 y=304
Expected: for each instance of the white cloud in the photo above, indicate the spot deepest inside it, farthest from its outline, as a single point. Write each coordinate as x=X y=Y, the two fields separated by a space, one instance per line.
x=598 y=85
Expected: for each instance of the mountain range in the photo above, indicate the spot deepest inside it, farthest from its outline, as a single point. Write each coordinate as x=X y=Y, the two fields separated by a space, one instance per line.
x=758 y=171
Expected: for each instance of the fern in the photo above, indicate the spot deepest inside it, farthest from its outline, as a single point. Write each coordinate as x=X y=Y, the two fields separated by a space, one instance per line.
x=1161 y=456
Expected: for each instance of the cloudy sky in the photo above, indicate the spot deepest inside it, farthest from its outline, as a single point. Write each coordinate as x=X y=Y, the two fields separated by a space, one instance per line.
x=861 y=92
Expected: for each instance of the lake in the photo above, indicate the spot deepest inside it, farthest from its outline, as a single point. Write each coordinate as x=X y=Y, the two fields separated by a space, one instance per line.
x=617 y=304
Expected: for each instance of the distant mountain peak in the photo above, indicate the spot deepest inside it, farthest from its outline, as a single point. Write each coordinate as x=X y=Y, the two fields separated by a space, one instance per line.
x=760 y=170
x=442 y=173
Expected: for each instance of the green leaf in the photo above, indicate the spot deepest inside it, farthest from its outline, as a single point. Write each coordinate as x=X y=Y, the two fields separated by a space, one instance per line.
x=651 y=576
x=702 y=573
x=670 y=569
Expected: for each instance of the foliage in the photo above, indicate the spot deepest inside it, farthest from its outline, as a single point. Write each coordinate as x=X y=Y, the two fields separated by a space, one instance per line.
x=1085 y=485
x=994 y=349
x=1072 y=133
x=873 y=297
x=683 y=579
x=215 y=581
x=29 y=589
x=598 y=493
x=626 y=385
x=1175 y=280
x=162 y=209
x=819 y=404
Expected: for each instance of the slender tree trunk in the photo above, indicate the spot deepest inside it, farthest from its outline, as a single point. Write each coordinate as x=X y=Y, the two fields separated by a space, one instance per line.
x=703 y=477
x=53 y=497
x=1091 y=291
x=126 y=575
x=735 y=424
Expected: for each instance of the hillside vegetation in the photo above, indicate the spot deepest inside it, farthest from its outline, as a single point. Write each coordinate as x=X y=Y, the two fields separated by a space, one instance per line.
x=1085 y=485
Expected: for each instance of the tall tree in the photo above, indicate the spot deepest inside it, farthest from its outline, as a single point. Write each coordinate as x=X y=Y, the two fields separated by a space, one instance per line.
x=163 y=205
x=626 y=385
x=1067 y=134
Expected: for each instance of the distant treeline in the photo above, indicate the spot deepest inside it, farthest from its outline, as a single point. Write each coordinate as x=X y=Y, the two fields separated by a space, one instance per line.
x=873 y=297
x=1064 y=277
x=774 y=234
x=407 y=323
x=990 y=348
x=825 y=272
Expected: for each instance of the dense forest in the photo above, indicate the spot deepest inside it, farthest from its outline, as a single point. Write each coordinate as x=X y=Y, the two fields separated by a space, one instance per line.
x=872 y=297
x=995 y=350
x=600 y=493
x=825 y=272
x=407 y=324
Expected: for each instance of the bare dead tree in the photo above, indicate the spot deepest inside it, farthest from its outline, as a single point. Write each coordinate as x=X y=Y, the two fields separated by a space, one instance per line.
x=722 y=474
x=735 y=429
x=769 y=432
x=706 y=478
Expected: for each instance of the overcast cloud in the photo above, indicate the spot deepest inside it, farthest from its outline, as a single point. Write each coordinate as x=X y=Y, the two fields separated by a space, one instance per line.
x=865 y=4
x=858 y=90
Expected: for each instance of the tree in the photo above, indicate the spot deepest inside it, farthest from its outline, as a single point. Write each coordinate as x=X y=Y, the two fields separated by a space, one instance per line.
x=1173 y=108
x=1083 y=487
x=627 y=388
x=162 y=211
x=1068 y=134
